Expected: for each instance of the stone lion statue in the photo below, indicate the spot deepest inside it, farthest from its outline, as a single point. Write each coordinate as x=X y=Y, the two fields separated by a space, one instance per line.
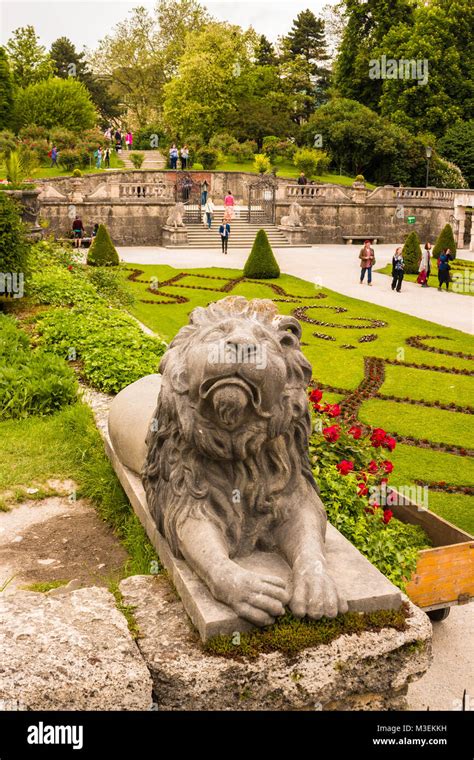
x=294 y=218
x=175 y=216
x=227 y=469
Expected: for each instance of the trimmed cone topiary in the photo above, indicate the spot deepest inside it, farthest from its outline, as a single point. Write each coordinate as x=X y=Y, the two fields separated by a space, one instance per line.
x=102 y=252
x=445 y=240
x=411 y=253
x=261 y=263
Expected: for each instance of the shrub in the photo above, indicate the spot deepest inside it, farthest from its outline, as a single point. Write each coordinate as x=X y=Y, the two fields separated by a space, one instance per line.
x=197 y=166
x=445 y=240
x=306 y=160
x=110 y=345
x=63 y=138
x=411 y=253
x=137 y=159
x=109 y=285
x=457 y=145
x=102 y=252
x=33 y=132
x=359 y=178
x=261 y=163
x=270 y=146
x=39 y=148
x=69 y=159
x=31 y=382
x=222 y=142
x=208 y=157
x=149 y=137
x=14 y=248
x=446 y=174
x=57 y=286
x=7 y=141
x=19 y=164
x=243 y=151
x=47 y=253
x=77 y=173
x=261 y=264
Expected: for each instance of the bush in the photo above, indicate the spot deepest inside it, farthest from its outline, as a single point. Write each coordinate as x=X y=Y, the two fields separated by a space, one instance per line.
x=198 y=167
x=270 y=146
x=63 y=138
x=20 y=164
x=102 y=252
x=208 y=157
x=446 y=174
x=149 y=137
x=55 y=102
x=109 y=286
x=261 y=264
x=77 y=173
x=60 y=287
x=243 y=151
x=359 y=178
x=110 y=345
x=14 y=248
x=31 y=382
x=261 y=163
x=39 y=148
x=70 y=159
x=411 y=253
x=33 y=132
x=457 y=145
x=445 y=240
x=137 y=159
x=222 y=142
x=7 y=141
x=311 y=161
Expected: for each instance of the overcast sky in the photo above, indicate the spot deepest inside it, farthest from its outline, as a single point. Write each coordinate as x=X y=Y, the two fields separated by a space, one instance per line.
x=85 y=22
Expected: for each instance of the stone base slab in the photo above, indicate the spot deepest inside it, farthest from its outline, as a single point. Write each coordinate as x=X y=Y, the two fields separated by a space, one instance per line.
x=174 y=237
x=365 y=588
x=367 y=671
x=295 y=235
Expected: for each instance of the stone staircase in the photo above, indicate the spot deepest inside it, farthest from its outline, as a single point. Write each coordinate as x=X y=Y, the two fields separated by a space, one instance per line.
x=154 y=160
x=242 y=234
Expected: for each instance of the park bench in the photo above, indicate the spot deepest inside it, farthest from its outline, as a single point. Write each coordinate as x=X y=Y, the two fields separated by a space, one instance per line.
x=348 y=239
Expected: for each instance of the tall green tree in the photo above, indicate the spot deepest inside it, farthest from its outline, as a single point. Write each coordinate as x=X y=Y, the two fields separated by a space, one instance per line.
x=29 y=60
x=366 y=24
x=306 y=69
x=55 y=102
x=457 y=146
x=6 y=92
x=265 y=52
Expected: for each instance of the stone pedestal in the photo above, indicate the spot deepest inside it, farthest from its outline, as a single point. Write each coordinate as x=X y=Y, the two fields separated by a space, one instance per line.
x=365 y=671
x=295 y=235
x=174 y=237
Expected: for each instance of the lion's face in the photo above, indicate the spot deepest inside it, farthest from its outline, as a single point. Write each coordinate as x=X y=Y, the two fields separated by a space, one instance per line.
x=237 y=371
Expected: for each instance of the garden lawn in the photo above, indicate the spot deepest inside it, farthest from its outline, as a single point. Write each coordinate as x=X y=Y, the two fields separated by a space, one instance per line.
x=287 y=169
x=339 y=364
x=44 y=172
x=462 y=274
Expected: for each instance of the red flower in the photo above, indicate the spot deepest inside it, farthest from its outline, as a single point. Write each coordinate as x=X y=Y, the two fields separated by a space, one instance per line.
x=362 y=489
x=390 y=443
x=70 y=267
x=373 y=467
x=315 y=395
x=388 y=466
x=387 y=516
x=318 y=407
x=332 y=433
x=384 y=480
x=378 y=437
x=334 y=410
x=345 y=466
x=355 y=432
x=371 y=510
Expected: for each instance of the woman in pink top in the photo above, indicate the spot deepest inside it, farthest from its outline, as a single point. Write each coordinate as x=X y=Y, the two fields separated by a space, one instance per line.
x=129 y=140
x=229 y=203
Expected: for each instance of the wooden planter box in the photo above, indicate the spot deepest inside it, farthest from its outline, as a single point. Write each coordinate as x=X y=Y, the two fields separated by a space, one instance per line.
x=444 y=574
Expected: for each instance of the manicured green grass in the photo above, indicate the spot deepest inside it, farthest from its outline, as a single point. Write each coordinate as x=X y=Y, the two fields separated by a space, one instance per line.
x=344 y=368
x=44 y=172
x=287 y=169
x=463 y=277
x=67 y=445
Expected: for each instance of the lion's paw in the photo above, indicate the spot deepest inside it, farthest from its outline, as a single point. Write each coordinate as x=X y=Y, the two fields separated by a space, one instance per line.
x=314 y=592
x=257 y=598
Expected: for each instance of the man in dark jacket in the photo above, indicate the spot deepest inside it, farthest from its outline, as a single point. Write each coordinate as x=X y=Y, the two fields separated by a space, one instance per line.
x=224 y=232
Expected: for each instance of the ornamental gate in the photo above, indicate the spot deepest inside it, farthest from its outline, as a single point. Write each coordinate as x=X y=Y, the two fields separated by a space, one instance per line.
x=262 y=200
x=189 y=192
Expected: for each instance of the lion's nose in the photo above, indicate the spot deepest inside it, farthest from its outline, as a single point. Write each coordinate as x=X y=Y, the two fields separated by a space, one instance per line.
x=242 y=350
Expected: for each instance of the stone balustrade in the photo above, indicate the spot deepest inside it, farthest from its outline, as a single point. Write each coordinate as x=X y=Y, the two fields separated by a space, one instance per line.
x=428 y=193
x=144 y=190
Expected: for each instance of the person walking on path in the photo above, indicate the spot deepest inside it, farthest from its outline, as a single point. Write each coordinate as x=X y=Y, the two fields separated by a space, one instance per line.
x=398 y=269
x=302 y=181
x=98 y=157
x=77 y=231
x=129 y=140
x=107 y=157
x=173 y=156
x=367 y=260
x=229 y=203
x=209 y=212
x=444 y=269
x=224 y=232
x=184 y=156
x=118 y=140
x=53 y=154
x=424 y=267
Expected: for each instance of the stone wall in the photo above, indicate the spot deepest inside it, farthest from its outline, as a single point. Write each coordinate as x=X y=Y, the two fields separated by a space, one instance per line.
x=134 y=206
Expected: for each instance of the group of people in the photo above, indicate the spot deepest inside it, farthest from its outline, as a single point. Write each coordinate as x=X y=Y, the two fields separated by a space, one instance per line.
x=224 y=227
x=176 y=153
x=78 y=231
x=367 y=261
x=116 y=136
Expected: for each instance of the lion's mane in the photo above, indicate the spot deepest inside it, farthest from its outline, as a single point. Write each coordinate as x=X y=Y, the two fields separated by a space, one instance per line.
x=194 y=469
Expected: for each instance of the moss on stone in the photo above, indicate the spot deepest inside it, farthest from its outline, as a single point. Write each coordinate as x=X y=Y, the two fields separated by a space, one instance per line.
x=290 y=635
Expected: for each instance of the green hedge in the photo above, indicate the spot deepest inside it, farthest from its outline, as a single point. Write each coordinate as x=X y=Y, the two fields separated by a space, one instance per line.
x=261 y=263
x=445 y=240
x=102 y=252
